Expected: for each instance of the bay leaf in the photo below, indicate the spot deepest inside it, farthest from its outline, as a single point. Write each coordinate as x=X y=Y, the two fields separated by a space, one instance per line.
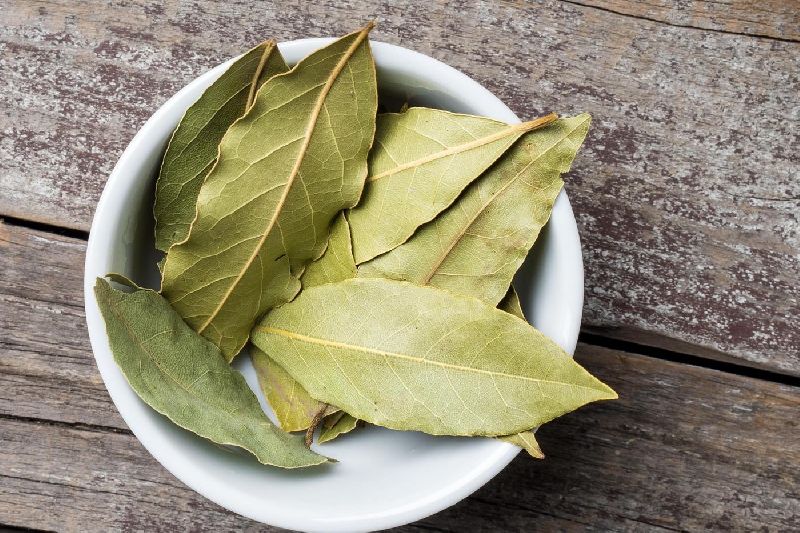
x=293 y=406
x=409 y=357
x=333 y=428
x=511 y=304
x=421 y=161
x=341 y=423
x=332 y=418
x=192 y=149
x=284 y=171
x=184 y=377
x=477 y=245
x=337 y=262
x=525 y=439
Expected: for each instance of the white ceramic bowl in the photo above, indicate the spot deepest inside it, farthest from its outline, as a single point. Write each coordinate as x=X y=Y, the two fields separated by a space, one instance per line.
x=384 y=478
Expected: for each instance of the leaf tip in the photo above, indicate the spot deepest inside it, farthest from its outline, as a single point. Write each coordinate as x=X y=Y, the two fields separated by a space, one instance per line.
x=536 y=452
x=101 y=286
x=609 y=393
x=267 y=45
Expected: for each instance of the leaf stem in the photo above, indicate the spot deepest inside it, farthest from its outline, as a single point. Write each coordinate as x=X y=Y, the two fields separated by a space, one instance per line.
x=314 y=423
x=269 y=47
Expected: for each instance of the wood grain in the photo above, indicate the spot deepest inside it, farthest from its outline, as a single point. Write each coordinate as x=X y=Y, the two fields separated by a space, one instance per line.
x=776 y=19
x=684 y=447
x=44 y=343
x=686 y=196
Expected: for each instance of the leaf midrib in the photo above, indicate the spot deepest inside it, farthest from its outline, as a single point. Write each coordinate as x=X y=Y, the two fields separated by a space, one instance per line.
x=477 y=143
x=251 y=95
x=458 y=236
x=293 y=174
x=374 y=351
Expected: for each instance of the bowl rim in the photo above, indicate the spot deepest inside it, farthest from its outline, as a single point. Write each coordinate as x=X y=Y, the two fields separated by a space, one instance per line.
x=96 y=256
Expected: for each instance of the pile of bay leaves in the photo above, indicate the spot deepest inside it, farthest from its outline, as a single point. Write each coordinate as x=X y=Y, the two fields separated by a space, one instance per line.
x=367 y=257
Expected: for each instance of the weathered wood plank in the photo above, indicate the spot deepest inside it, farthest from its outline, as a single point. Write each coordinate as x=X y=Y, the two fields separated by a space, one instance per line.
x=685 y=448
x=66 y=479
x=777 y=19
x=686 y=195
x=46 y=368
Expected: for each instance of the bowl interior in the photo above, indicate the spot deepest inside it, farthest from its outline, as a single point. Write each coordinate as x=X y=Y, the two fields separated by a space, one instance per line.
x=383 y=478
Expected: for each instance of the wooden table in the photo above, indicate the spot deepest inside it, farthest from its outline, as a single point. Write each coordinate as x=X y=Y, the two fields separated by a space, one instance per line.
x=687 y=196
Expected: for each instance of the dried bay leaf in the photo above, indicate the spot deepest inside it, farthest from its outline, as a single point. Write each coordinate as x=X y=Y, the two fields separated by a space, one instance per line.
x=340 y=423
x=337 y=262
x=476 y=246
x=525 y=439
x=415 y=358
x=184 y=377
x=511 y=304
x=331 y=419
x=421 y=161
x=192 y=148
x=293 y=406
x=284 y=171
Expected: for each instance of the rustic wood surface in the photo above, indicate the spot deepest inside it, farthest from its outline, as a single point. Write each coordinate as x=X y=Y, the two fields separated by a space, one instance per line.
x=777 y=19
x=688 y=202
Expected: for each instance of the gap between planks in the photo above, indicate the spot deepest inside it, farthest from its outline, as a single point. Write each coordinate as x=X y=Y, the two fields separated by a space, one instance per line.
x=4 y=528
x=675 y=25
x=592 y=339
x=44 y=227
x=95 y=428
x=688 y=359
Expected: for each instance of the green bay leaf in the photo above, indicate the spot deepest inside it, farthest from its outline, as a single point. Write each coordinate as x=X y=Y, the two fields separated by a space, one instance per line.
x=337 y=263
x=192 y=149
x=294 y=408
x=477 y=245
x=337 y=425
x=421 y=161
x=409 y=357
x=284 y=171
x=184 y=377
x=525 y=439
